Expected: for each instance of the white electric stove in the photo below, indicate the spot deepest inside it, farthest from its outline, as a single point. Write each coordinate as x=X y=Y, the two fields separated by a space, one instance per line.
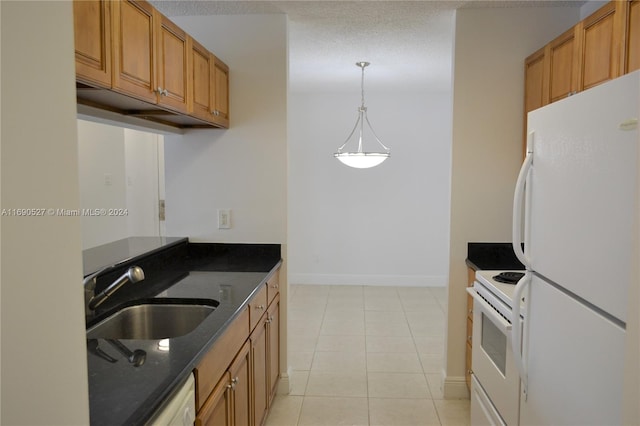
x=504 y=291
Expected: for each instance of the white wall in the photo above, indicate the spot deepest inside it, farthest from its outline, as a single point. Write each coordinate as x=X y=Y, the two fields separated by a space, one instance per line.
x=144 y=171
x=101 y=152
x=131 y=160
x=490 y=48
x=382 y=226
x=242 y=168
x=44 y=361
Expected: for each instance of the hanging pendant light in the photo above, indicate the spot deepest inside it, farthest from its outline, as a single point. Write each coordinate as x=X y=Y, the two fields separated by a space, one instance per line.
x=361 y=159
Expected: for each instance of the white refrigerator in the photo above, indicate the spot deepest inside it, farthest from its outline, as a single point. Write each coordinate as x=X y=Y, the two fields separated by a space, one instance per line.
x=576 y=195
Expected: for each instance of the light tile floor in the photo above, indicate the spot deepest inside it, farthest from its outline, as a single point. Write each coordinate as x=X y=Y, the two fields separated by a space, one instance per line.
x=366 y=355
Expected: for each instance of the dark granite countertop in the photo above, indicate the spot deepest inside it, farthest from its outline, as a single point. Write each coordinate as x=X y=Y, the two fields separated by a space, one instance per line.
x=118 y=252
x=121 y=393
x=492 y=256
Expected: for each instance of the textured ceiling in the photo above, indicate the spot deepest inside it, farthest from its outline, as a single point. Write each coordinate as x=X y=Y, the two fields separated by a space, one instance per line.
x=409 y=43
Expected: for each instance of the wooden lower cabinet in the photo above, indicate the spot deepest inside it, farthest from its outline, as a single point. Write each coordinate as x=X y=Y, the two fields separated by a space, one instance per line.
x=240 y=372
x=217 y=409
x=273 y=331
x=471 y=276
x=259 y=344
x=237 y=379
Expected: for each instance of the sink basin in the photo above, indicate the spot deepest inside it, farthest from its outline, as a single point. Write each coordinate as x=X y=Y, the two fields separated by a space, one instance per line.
x=151 y=321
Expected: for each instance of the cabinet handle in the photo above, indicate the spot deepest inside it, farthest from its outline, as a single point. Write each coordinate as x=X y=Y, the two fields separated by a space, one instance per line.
x=233 y=383
x=470 y=311
x=271 y=318
x=469 y=338
x=261 y=307
x=274 y=286
x=215 y=112
x=268 y=320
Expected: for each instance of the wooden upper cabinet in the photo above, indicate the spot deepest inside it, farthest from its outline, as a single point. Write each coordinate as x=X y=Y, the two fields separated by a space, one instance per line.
x=134 y=49
x=92 y=32
x=129 y=47
x=601 y=40
x=563 y=73
x=535 y=95
x=536 y=86
x=210 y=89
x=632 y=39
x=173 y=49
x=203 y=82
x=221 y=93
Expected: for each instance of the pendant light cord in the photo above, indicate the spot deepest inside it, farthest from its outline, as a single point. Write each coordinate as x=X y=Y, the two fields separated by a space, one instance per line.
x=362 y=117
x=362 y=87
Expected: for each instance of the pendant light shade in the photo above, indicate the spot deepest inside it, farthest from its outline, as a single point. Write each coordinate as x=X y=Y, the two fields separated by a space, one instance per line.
x=361 y=159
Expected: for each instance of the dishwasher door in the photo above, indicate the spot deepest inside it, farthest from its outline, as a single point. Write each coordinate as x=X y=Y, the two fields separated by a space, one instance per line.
x=180 y=410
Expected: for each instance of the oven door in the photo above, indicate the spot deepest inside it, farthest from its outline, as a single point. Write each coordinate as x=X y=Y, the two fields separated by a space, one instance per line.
x=492 y=360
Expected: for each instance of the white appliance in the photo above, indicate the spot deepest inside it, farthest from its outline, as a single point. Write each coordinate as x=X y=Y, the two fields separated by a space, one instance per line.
x=495 y=382
x=578 y=186
x=180 y=409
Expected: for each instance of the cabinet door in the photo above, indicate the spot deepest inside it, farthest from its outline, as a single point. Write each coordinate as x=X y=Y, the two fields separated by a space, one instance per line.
x=600 y=39
x=172 y=65
x=535 y=92
x=259 y=371
x=633 y=36
x=221 y=93
x=273 y=321
x=216 y=411
x=134 y=49
x=563 y=73
x=471 y=275
x=92 y=33
x=241 y=383
x=203 y=82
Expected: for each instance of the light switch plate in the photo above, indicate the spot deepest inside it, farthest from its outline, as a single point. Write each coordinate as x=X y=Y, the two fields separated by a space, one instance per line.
x=224 y=218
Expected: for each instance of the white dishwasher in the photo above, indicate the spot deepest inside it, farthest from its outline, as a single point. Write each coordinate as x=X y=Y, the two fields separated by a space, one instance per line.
x=180 y=409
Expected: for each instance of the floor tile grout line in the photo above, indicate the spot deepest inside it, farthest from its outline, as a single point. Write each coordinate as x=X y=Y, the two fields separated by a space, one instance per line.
x=413 y=334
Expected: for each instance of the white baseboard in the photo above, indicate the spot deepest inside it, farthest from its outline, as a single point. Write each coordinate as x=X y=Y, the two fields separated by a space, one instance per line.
x=284 y=385
x=372 y=280
x=455 y=387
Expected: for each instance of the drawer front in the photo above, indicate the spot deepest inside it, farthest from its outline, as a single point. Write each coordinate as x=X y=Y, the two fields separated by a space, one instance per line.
x=273 y=286
x=221 y=354
x=258 y=306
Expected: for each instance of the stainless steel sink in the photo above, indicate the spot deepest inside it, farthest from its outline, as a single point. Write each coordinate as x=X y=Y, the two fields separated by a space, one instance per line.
x=151 y=321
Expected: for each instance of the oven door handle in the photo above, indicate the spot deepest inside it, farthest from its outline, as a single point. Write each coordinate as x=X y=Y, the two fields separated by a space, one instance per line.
x=516 y=332
x=490 y=312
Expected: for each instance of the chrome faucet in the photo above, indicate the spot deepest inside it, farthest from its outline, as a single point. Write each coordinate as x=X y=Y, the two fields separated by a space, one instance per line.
x=133 y=275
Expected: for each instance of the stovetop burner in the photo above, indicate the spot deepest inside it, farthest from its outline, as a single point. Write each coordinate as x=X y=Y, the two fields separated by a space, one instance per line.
x=508 y=277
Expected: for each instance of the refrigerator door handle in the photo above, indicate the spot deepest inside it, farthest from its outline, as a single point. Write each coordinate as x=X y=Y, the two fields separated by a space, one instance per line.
x=518 y=203
x=516 y=330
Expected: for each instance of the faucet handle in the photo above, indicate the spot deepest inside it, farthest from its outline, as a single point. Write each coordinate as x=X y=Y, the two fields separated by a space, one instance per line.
x=89 y=282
